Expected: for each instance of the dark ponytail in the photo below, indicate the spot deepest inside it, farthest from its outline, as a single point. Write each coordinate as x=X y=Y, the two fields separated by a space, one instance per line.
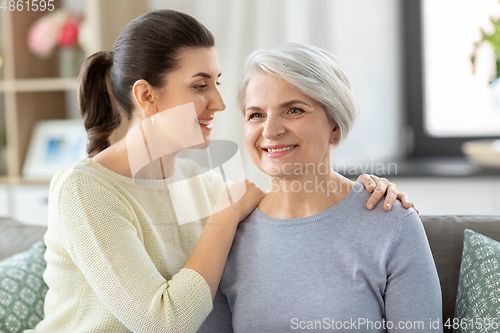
x=99 y=116
x=148 y=49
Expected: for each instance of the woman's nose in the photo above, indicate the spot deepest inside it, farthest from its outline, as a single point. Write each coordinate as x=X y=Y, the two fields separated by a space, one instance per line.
x=216 y=101
x=273 y=127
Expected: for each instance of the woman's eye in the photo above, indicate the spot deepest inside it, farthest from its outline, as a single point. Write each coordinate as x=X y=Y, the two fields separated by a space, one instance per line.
x=218 y=83
x=201 y=87
x=255 y=115
x=295 y=111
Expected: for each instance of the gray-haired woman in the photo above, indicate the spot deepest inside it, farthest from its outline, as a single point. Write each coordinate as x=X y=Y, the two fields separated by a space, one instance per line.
x=313 y=257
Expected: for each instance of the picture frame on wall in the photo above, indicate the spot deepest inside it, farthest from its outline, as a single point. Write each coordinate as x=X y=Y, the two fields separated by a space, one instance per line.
x=53 y=145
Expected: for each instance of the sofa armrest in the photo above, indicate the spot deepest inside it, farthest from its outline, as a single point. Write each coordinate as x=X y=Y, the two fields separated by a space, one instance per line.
x=16 y=237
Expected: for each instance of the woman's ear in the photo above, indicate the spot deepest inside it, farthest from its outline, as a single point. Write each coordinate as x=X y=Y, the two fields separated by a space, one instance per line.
x=334 y=134
x=144 y=97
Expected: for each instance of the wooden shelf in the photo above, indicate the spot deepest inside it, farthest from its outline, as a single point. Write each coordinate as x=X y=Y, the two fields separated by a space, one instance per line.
x=5 y=180
x=39 y=85
x=31 y=89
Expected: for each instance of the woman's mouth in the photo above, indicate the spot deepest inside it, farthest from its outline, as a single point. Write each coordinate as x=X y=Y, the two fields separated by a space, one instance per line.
x=278 y=151
x=204 y=123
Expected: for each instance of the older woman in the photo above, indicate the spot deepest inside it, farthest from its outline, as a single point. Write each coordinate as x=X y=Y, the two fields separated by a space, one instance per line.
x=311 y=256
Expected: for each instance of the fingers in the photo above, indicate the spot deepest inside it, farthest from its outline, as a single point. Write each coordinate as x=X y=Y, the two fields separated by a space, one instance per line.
x=391 y=197
x=252 y=187
x=384 y=187
x=251 y=199
x=252 y=195
x=415 y=207
x=377 y=194
x=404 y=200
x=369 y=182
x=241 y=199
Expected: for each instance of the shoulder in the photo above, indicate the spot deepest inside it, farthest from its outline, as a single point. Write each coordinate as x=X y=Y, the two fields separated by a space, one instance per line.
x=83 y=178
x=69 y=174
x=394 y=227
x=83 y=191
x=377 y=225
x=357 y=199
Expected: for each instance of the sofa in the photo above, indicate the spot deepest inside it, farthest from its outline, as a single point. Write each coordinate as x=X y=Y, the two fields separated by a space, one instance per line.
x=446 y=238
x=445 y=235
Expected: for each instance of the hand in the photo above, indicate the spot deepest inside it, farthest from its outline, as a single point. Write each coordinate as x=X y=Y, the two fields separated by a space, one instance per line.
x=244 y=197
x=381 y=186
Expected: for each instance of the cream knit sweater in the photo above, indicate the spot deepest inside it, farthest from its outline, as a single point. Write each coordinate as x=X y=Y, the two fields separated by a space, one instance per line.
x=115 y=253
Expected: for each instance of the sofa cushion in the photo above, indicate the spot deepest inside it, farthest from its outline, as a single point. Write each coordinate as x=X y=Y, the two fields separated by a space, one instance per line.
x=16 y=237
x=446 y=238
x=22 y=289
x=478 y=296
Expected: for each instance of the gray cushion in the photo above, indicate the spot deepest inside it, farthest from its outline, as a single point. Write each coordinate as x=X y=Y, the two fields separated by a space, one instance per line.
x=478 y=296
x=16 y=237
x=22 y=289
x=446 y=237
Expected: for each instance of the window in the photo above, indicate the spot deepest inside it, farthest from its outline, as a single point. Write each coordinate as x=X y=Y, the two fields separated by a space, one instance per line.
x=446 y=103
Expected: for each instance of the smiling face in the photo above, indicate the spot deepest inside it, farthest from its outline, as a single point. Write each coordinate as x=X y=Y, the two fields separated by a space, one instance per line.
x=284 y=128
x=194 y=81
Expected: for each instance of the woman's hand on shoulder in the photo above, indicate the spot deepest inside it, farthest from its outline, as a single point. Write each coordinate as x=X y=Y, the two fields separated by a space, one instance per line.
x=381 y=187
x=243 y=197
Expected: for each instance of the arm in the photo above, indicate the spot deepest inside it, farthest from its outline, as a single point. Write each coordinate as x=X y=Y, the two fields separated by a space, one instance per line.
x=102 y=241
x=413 y=292
x=381 y=187
x=210 y=254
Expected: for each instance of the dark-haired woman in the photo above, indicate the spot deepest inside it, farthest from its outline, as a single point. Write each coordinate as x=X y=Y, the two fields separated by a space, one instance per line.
x=117 y=258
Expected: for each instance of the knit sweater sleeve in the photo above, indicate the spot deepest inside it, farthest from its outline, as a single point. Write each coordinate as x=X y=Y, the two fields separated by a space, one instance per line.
x=413 y=292
x=97 y=229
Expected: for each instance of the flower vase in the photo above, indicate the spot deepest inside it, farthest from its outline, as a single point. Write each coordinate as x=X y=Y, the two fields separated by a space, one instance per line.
x=69 y=62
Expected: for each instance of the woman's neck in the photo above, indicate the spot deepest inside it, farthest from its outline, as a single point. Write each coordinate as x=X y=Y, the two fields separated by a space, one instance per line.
x=306 y=195
x=116 y=158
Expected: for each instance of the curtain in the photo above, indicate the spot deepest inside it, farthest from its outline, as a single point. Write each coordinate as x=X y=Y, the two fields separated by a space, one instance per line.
x=362 y=34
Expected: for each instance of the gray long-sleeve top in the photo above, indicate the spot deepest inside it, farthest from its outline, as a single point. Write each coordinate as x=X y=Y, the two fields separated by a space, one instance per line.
x=344 y=269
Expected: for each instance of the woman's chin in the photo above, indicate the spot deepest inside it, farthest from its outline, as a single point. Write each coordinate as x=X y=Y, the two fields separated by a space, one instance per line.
x=202 y=145
x=276 y=172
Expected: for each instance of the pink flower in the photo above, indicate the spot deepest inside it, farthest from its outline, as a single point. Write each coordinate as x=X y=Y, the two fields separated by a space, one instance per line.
x=69 y=34
x=58 y=28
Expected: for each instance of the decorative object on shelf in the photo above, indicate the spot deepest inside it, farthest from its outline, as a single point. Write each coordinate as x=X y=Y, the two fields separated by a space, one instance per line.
x=53 y=145
x=494 y=40
x=58 y=30
x=485 y=153
x=71 y=60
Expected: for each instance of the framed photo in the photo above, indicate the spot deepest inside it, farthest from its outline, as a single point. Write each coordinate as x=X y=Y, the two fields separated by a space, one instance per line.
x=53 y=145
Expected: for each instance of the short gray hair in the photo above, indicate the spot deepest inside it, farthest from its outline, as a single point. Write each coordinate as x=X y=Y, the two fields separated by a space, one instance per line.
x=315 y=72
